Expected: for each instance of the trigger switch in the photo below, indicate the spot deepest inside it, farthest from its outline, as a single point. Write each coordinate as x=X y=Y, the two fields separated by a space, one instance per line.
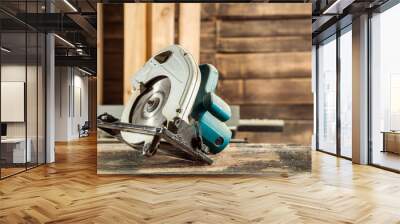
x=163 y=56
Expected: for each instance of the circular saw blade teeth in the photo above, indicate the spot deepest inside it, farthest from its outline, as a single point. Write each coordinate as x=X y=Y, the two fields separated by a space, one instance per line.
x=147 y=109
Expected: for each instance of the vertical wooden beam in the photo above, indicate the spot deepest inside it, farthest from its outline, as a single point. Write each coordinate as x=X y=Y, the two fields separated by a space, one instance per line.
x=134 y=42
x=100 y=37
x=160 y=25
x=113 y=55
x=92 y=104
x=189 y=28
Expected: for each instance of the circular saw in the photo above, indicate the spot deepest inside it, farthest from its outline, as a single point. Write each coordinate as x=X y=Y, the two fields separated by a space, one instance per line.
x=173 y=109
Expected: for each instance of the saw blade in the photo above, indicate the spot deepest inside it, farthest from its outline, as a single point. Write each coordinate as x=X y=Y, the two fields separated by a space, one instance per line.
x=147 y=109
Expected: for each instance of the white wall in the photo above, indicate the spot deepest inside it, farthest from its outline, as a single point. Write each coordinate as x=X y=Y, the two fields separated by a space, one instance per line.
x=71 y=94
x=61 y=103
x=33 y=125
x=12 y=73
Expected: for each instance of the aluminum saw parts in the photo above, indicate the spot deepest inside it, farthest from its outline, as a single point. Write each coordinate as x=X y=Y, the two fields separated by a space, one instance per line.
x=173 y=109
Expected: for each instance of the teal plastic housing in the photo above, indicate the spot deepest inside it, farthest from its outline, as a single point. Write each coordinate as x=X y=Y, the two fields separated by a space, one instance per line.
x=217 y=106
x=211 y=111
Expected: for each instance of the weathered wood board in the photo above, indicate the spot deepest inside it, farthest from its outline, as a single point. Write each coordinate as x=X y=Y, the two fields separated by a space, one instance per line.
x=294 y=131
x=263 y=28
x=276 y=10
x=113 y=47
x=263 y=55
x=264 y=44
x=266 y=91
x=161 y=26
x=264 y=65
x=254 y=159
x=283 y=111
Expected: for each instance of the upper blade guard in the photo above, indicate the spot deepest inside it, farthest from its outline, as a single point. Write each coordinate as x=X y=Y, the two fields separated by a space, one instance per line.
x=176 y=65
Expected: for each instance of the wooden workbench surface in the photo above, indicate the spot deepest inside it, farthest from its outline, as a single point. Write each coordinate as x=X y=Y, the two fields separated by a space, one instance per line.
x=240 y=158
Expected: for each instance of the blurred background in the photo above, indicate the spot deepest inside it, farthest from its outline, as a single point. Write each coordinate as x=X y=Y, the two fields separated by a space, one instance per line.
x=262 y=52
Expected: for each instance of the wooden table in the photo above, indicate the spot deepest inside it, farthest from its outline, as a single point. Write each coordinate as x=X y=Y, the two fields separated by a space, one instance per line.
x=238 y=158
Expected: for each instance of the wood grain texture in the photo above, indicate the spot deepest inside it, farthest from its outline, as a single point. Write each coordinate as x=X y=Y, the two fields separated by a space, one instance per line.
x=264 y=11
x=135 y=54
x=261 y=28
x=232 y=91
x=208 y=11
x=264 y=65
x=208 y=34
x=279 y=91
x=69 y=191
x=264 y=44
x=207 y=58
x=113 y=48
x=92 y=105
x=114 y=26
x=161 y=26
x=257 y=159
x=189 y=28
x=263 y=54
x=208 y=28
x=271 y=42
x=99 y=56
x=266 y=91
x=294 y=132
x=281 y=111
x=208 y=44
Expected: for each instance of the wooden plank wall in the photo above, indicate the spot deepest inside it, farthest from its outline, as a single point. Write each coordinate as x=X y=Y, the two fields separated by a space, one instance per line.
x=148 y=28
x=134 y=32
x=263 y=54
